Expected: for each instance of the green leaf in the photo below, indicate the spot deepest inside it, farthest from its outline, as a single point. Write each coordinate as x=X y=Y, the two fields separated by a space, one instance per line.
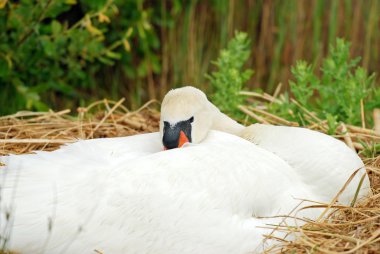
x=105 y=60
x=48 y=46
x=56 y=27
x=113 y=55
x=4 y=68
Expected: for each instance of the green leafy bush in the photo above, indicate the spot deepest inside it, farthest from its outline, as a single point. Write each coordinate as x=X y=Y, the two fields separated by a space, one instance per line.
x=55 y=48
x=229 y=78
x=336 y=95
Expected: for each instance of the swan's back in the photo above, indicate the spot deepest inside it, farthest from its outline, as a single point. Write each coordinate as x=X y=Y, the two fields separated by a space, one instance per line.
x=322 y=162
x=199 y=199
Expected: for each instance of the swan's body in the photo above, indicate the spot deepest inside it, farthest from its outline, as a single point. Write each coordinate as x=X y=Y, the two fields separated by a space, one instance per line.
x=117 y=200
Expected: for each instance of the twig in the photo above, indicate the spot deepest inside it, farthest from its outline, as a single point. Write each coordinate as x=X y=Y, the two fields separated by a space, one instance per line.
x=337 y=195
x=361 y=130
x=266 y=97
x=376 y=120
x=306 y=110
x=274 y=117
x=278 y=90
x=30 y=31
x=112 y=116
x=52 y=113
x=347 y=137
x=362 y=112
x=253 y=115
x=318 y=124
x=146 y=105
x=107 y=115
x=358 y=146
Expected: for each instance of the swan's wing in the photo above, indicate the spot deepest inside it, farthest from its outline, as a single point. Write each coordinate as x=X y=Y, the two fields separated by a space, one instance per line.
x=42 y=177
x=199 y=199
x=323 y=162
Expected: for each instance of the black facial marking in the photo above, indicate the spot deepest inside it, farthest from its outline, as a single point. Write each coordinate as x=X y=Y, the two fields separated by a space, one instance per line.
x=170 y=138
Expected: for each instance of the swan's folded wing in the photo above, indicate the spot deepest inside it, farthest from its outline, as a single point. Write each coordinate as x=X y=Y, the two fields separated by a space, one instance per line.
x=323 y=162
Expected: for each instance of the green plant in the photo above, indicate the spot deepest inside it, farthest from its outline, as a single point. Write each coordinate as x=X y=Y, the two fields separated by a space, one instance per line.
x=171 y=44
x=64 y=48
x=229 y=78
x=337 y=94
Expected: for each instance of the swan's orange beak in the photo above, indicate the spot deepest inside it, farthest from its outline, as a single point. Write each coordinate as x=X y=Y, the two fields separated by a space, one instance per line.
x=182 y=139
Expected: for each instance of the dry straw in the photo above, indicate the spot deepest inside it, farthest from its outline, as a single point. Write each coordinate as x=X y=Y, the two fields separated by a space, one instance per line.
x=24 y=132
x=343 y=229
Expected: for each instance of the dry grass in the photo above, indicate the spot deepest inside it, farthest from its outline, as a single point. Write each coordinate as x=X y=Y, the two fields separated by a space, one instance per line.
x=345 y=230
x=24 y=132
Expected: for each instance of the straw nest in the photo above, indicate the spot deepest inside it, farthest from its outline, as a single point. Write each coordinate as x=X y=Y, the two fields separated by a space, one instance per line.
x=353 y=229
x=25 y=132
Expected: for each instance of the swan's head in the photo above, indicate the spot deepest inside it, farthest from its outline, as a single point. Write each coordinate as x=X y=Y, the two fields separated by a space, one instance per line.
x=186 y=116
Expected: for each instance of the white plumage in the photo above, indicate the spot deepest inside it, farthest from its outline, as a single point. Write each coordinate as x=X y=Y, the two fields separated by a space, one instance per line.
x=322 y=162
x=104 y=195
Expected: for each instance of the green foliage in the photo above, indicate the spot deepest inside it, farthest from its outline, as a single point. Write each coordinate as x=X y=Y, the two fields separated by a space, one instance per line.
x=230 y=77
x=63 y=53
x=371 y=149
x=55 y=48
x=335 y=96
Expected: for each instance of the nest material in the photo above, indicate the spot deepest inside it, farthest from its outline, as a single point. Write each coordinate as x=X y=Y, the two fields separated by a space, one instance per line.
x=353 y=229
x=25 y=132
x=343 y=229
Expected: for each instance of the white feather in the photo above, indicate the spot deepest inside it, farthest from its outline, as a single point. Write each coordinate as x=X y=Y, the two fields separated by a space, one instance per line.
x=322 y=162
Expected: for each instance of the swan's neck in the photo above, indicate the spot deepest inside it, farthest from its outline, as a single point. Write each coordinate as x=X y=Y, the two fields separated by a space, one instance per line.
x=222 y=122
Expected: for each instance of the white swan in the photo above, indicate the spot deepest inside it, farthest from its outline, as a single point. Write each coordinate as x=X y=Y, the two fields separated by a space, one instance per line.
x=320 y=161
x=126 y=195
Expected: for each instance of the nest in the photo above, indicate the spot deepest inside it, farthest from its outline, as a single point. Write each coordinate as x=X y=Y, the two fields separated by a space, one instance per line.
x=25 y=132
x=351 y=229
x=342 y=229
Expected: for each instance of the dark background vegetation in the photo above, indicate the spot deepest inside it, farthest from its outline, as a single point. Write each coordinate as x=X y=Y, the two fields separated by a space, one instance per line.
x=66 y=53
